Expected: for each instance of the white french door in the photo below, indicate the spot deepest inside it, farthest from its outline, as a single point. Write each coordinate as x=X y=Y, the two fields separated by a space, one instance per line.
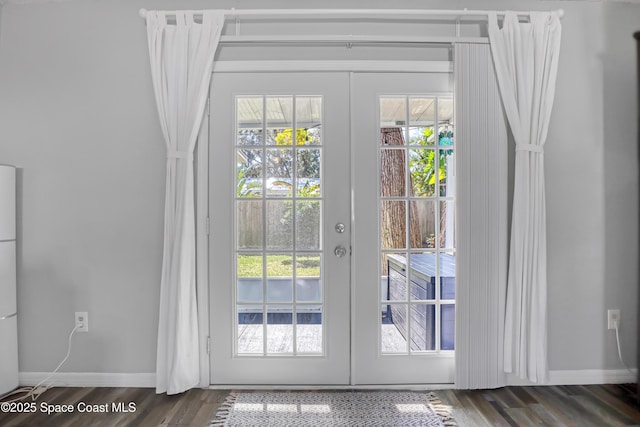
x=403 y=237
x=332 y=248
x=279 y=185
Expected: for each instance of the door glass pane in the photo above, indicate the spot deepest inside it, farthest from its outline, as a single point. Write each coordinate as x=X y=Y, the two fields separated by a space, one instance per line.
x=447 y=276
x=279 y=278
x=397 y=277
x=249 y=173
x=447 y=224
x=394 y=328
x=393 y=179
x=309 y=120
x=249 y=278
x=249 y=219
x=423 y=224
x=308 y=224
x=445 y=135
x=279 y=265
x=422 y=117
x=390 y=289
x=393 y=115
x=393 y=224
x=280 y=329
x=447 y=326
x=279 y=115
x=447 y=173
x=422 y=276
x=422 y=166
x=445 y=121
x=308 y=279
x=279 y=173
x=309 y=329
x=308 y=172
x=423 y=327
x=279 y=285
x=250 y=329
x=249 y=128
x=279 y=224
x=417 y=201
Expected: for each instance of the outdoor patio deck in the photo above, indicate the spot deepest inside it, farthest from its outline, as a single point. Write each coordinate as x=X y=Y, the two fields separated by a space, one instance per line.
x=309 y=339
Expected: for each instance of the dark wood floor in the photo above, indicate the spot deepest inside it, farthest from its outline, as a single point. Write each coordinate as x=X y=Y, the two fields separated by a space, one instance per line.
x=193 y=408
x=580 y=406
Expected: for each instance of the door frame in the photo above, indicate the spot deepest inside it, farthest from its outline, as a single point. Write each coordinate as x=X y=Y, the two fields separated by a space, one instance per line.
x=202 y=182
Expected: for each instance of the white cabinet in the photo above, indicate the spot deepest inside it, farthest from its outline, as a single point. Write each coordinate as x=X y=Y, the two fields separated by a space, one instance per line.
x=8 y=304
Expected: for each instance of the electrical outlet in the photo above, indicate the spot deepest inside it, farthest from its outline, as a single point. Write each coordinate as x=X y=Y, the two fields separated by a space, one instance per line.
x=82 y=321
x=613 y=319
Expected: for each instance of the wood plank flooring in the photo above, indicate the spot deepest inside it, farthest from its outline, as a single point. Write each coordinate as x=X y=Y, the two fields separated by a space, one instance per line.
x=570 y=406
x=193 y=408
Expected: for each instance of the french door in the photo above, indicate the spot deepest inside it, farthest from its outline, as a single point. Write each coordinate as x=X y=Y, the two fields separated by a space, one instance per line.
x=279 y=179
x=332 y=245
x=403 y=260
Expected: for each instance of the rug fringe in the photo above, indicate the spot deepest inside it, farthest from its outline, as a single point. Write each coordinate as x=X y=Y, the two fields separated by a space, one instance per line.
x=441 y=410
x=222 y=414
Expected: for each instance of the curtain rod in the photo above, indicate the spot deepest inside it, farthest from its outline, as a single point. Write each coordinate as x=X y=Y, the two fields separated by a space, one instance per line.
x=362 y=13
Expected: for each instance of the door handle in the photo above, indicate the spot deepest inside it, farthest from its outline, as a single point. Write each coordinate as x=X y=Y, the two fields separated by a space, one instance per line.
x=340 y=251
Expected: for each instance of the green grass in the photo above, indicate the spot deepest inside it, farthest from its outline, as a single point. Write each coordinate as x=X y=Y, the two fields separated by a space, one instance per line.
x=278 y=266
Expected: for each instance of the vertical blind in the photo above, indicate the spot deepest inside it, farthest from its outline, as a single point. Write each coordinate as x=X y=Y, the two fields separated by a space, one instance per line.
x=482 y=169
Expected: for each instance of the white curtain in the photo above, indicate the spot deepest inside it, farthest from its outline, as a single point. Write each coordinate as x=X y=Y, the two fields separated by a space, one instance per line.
x=481 y=180
x=181 y=51
x=525 y=56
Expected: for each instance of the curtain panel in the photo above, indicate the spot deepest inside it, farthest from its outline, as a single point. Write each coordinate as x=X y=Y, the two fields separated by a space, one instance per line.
x=525 y=56
x=181 y=54
x=481 y=140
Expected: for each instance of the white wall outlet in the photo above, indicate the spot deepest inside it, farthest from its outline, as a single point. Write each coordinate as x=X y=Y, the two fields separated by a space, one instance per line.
x=613 y=319
x=82 y=321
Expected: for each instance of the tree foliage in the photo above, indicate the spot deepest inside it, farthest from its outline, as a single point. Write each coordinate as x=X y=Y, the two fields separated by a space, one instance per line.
x=277 y=160
x=285 y=137
x=423 y=162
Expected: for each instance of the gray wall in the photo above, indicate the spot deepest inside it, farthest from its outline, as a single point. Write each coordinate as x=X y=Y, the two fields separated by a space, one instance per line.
x=620 y=182
x=77 y=115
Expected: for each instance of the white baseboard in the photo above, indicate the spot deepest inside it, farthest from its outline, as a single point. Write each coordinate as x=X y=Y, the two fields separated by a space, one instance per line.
x=583 y=377
x=89 y=379
x=148 y=380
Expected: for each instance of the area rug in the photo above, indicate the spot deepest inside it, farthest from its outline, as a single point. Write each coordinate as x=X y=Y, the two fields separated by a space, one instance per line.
x=333 y=408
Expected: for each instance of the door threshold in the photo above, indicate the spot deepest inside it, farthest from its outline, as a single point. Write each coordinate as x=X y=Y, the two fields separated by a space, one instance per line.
x=333 y=387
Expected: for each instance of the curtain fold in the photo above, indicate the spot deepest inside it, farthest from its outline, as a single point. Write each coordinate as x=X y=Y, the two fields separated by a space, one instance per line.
x=481 y=180
x=525 y=56
x=181 y=55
